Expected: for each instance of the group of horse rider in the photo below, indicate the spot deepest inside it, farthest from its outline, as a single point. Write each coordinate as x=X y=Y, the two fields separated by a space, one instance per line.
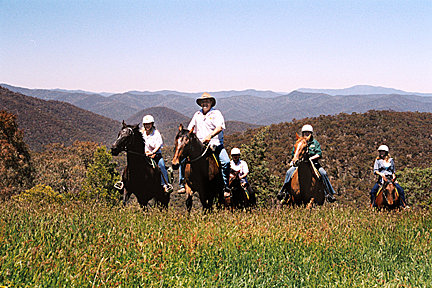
x=208 y=124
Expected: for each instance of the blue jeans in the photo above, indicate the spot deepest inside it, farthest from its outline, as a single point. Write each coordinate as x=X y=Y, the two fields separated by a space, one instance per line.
x=181 y=173
x=326 y=181
x=161 y=163
x=224 y=163
x=327 y=185
x=376 y=187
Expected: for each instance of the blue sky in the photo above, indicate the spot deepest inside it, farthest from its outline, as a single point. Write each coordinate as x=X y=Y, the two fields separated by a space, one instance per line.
x=118 y=46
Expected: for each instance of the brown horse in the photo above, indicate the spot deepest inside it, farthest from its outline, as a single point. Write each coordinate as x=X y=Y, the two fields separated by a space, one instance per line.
x=305 y=187
x=242 y=194
x=142 y=175
x=387 y=196
x=202 y=173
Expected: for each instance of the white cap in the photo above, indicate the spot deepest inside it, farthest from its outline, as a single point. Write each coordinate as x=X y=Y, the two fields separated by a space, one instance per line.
x=383 y=148
x=147 y=119
x=235 y=151
x=307 y=128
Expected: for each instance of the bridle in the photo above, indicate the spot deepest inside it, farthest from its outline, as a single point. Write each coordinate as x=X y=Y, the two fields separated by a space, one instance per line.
x=188 y=160
x=129 y=141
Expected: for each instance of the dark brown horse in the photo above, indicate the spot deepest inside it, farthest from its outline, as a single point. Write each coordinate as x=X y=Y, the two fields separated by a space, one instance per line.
x=142 y=175
x=306 y=187
x=243 y=197
x=387 y=196
x=202 y=173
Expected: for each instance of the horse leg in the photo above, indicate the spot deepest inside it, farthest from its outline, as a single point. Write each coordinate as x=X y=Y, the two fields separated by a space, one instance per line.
x=126 y=196
x=189 y=194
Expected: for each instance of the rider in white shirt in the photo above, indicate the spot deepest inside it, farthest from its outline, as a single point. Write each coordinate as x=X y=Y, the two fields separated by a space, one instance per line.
x=208 y=124
x=153 y=144
x=239 y=165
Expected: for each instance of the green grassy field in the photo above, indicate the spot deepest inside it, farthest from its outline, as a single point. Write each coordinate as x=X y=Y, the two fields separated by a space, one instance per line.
x=79 y=245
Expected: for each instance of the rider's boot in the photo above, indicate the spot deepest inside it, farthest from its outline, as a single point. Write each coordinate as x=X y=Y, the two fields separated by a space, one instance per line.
x=227 y=192
x=330 y=198
x=282 y=194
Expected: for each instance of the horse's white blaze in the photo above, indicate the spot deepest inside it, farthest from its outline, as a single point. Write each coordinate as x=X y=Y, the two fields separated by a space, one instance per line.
x=297 y=151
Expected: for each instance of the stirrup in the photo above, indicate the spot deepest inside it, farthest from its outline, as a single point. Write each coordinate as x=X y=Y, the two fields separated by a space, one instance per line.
x=168 y=188
x=119 y=185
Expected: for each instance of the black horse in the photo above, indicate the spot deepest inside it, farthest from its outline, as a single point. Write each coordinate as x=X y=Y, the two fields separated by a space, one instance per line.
x=243 y=197
x=141 y=176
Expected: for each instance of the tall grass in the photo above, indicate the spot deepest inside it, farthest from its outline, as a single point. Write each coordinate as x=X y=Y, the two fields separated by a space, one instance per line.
x=79 y=245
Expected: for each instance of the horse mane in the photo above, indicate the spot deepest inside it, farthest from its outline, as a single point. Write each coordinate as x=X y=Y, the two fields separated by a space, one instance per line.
x=138 y=134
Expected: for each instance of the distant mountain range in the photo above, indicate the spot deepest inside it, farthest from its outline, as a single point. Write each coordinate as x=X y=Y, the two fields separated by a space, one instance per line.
x=52 y=121
x=362 y=90
x=250 y=106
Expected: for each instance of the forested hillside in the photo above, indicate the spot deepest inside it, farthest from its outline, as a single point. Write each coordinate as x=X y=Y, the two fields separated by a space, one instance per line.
x=349 y=143
x=45 y=122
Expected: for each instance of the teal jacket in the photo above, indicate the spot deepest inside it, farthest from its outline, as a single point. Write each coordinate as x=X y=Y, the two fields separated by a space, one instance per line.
x=314 y=148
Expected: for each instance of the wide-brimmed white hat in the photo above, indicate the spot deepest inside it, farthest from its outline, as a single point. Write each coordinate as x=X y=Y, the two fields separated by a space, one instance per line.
x=206 y=95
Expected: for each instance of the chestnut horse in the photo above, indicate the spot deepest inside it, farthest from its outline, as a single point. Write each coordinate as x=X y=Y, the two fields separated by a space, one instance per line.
x=142 y=175
x=387 y=196
x=202 y=172
x=305 y=187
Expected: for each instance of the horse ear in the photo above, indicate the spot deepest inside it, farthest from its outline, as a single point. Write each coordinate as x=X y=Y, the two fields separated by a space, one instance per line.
x=192 y=130
x=124 y=124
x=136 y=126
x=309 y=137
x=297 y=136
x=180 y=127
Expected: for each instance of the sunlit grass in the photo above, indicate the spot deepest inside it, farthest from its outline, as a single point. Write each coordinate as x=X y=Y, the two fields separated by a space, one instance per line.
x=84 y=246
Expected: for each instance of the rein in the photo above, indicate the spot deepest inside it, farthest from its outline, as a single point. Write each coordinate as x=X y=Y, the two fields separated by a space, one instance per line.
x=199 y=157
x=151 y=161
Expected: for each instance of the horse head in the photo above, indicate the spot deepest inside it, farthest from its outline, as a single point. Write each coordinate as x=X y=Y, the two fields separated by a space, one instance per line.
x=301 y=149
x=125 y=138
x=390 y=193
x=182 y=145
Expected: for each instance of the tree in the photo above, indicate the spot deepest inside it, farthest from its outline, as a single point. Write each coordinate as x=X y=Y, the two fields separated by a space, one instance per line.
x=16 y=171
x=101 y=177
x=263 y=182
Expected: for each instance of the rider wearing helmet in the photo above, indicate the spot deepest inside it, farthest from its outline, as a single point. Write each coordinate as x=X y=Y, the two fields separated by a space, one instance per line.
x=153 y=144
x=385 y=169
x=239 y=165
x=242 y=168
x=315 y=153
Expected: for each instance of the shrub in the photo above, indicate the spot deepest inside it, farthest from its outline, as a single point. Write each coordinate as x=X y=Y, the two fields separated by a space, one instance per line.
x=41 y=193
x=64 y=167
x=101 y=177
x=417 y=185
